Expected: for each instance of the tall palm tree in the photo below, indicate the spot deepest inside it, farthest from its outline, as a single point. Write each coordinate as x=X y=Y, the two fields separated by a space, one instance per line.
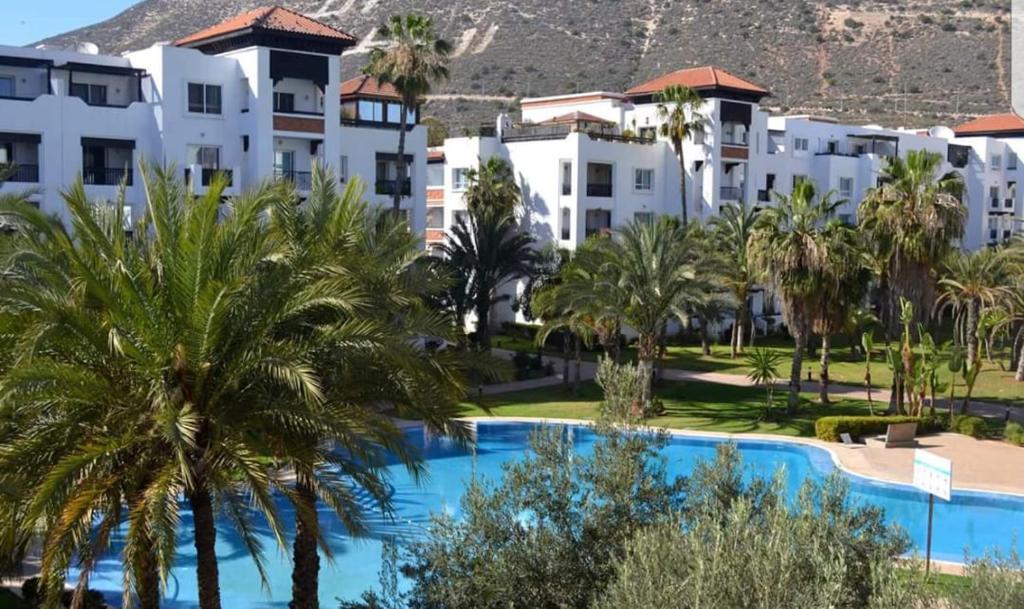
x=413 y=60
x=679 y=110
x=971 y=283
x=916 y=216
x=373 y=357
x=732 y=230
x=492 y=184
x=488 y=248
x=791 y=251
x=655 y=267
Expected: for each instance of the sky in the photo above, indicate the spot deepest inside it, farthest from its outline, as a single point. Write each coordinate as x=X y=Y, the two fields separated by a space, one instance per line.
x=25 y=21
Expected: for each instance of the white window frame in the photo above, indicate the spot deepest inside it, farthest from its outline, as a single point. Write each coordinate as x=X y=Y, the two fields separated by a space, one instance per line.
x=198 y=147
x=846 y=193
x=644 y=216
x=1011 y=160
x=637 y=182
x=460 y=179
x=205 y=111
x=996 y=162
x=801 y=144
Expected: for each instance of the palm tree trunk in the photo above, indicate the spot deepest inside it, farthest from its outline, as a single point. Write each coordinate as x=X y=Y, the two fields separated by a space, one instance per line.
x=576 y=380
x=793 y=400
x=682 y=183
x=400 y=169
x=306 y=568
x=753 y=331
x=973 y=311
x=205 y=531
x=739 y=331
x=147 y=581
x=733 y=352
x=705 y=343
x=826 y=349
x=1020 y=363
x=647 y=346
x=662 y=347
x=565 y=360
x=483 y=321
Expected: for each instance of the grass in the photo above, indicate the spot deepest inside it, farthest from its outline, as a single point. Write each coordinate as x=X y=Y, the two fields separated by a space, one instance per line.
x=10 y=600
x=688 y=405
x=993 y=384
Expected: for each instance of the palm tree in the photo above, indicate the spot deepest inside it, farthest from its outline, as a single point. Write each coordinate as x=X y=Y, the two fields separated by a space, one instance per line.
x=492 y=184
x=915 y=217
x=413 y=61
x=790 y=249
x=679 y=110
x=374 y=266
x=764 y=372
x=732 y=230
x=971 y=283
x=488 y=248
x=655 y=268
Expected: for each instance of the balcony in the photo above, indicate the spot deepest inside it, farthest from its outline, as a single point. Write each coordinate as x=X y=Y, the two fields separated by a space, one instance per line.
x=624 y=139
x=107 y=176
x=302 y=180
x=764 y=196
x=599 y=190
x=734 y=139
x=1008 y=203
x=730 y=193
x=26 y=174
x=206 y=176
x=388 y=187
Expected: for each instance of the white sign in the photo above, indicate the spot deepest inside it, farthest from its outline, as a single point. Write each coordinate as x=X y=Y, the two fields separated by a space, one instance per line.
x=933 y=474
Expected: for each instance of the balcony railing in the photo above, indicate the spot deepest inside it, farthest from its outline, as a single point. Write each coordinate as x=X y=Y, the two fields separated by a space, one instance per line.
x=764 y=195
x=303 y=180
x=614 y=137
x=995 y=203
x=599 y=190
x=1008 y=203
x=387 y=187
x=107 y=176
x=730 y=193
x=734 y=139
x=19 y=173
x=207 y=174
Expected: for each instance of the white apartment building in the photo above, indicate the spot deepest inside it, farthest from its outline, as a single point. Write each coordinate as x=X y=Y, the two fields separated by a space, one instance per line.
x=593 y=161
x=256 y=97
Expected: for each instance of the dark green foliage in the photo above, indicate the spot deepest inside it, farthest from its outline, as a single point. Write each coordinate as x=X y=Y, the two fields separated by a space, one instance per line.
x=830 y=428
x=1014 y=433
x=970 y=426
x=548 y=535
x=30 y=593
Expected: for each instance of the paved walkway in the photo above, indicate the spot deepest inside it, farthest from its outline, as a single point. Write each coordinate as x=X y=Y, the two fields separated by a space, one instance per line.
x=880 y=396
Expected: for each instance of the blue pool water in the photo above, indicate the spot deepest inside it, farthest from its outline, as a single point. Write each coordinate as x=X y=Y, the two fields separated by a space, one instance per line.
x=972 y=520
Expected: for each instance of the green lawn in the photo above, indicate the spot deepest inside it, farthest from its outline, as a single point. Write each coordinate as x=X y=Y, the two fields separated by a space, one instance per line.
x=688 y=405
x=994 y=384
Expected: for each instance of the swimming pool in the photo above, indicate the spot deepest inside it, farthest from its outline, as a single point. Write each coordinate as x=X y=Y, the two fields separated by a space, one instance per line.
x=973 y=520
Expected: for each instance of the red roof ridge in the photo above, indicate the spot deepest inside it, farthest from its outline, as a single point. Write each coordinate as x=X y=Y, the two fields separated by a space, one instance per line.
x=369 y=86
x=1003 y=122
x=699 y=77
x=260 y=18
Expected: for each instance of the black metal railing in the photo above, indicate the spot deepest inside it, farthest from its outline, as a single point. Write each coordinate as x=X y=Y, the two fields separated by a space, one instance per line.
x=614 y=137
x=1008 y=203
x=107 y=176
x=302 y=179
x=764 y=195
x=388 y=187
x=358 y=122
x=995 y=202
x=599 y=190
x=207 y=174
x=528 y=133
x=18 y=172
x=566 y=190
x=730 y=193
x=278 y=109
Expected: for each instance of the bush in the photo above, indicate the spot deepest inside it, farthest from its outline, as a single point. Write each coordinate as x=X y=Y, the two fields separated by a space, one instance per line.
x=1014 y=433
x=970 y=426
x=830 y=428
x=31 y=594
x=521 y=360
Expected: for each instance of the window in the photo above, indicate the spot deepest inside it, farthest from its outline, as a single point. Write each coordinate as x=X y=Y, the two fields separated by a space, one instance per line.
x=846 y=219
x=394 y=113
x=94 y=95
x=1011 y=160
x=460 y=179
x=800 y=144
x=797 y=178
x=6 y=86
x=203 y=99
x=566 y=178
x=460 y=217
x=435 y=217
x=343 y=169
x=643 y=180
x=284 y=162
x=284 y=102
x=993 y=194
x=371 y=111
x=598 y=221
x=846 y=187
x=566 y=223
x=599 y=180
x=643 y=217
x=207 y=157
x=6 y=153
x=997 y=161
x=126 y=218
x=648 y=133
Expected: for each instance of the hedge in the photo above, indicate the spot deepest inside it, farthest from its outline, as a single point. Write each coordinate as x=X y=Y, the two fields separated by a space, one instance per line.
x=970 y=426
x=1014 y=433
x=830 y=428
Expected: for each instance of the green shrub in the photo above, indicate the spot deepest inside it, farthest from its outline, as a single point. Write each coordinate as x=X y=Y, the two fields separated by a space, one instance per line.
x=830 y=428
x=1014 y=433
x=970 y=426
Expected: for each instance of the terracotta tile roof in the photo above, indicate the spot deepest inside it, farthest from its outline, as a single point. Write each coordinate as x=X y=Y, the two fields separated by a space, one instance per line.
x=708 y=77
x=368 y=86
x=277 y=18
x=435 y=156
x=993 y=124
x=574 y=117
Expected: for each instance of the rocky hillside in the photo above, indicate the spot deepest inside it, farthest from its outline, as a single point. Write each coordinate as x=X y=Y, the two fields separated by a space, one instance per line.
x=898 y=62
